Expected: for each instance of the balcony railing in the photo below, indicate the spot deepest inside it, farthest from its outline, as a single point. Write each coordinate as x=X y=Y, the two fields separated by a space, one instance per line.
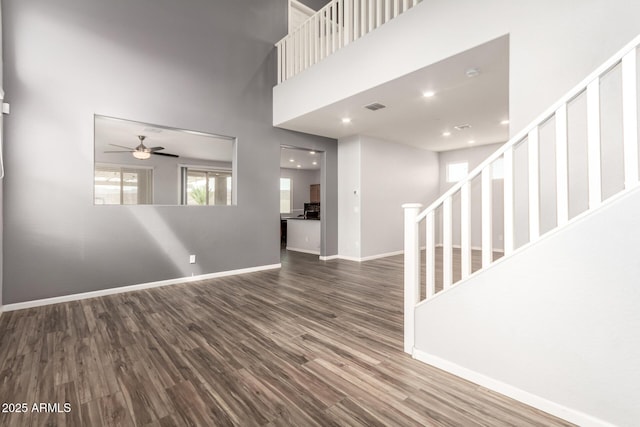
x=334 y=26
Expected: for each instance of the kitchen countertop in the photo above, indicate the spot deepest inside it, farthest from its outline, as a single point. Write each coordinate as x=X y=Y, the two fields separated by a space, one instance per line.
x=304 y=219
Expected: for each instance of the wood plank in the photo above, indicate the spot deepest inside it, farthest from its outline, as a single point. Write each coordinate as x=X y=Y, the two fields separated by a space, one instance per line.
x=314 y=344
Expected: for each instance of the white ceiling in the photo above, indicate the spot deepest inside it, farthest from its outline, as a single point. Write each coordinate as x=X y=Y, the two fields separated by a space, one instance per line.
x=186 y=144
x=411 y=118
x=304 y=158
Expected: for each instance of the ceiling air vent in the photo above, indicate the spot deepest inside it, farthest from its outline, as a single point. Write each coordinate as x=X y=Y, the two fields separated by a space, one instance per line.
x=375 y=106
x=462 y=127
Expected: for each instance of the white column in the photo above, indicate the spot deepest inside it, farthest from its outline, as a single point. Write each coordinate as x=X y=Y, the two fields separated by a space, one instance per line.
x=411 y=272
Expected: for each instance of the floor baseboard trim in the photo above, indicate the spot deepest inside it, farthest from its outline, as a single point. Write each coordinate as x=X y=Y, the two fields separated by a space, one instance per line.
x=304 y=251
x=515 y=393
x=329 y=258
x=132 y=288
x=384 y=255
x=368 y=258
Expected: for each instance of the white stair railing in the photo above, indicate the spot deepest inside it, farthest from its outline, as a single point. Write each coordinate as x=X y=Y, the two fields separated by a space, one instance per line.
x=334 y=26
x=626 y=60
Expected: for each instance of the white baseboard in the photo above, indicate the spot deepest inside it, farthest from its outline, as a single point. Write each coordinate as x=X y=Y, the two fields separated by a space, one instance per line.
x=520 y=395
x=377 y=256
x=366 y=258
x=131 y=288
x=305 y=251
x=329 y=258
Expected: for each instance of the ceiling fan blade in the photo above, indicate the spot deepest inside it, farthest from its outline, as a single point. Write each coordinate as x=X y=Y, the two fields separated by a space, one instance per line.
x=152 y=149
x=164 y=154
x=122 y=146
x=128 y=151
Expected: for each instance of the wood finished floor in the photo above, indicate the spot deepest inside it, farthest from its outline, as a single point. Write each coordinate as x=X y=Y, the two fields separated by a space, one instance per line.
x=313 y=344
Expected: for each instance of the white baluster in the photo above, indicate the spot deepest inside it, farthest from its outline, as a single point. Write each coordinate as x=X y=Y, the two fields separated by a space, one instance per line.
x=340 y=24
x=562 y=166
x=378 y=13
x=356 y=19
x=334 y=20
x=316 y=37
x=465 y=229
x=387 y=10
x=411 y=272
x=363 y=17
x=487 y=220
x=405 y=5
x=430 y=253
x=396 y=8
x=348 y=22
x=371 y=14
x=279 y=47
x=630 y=118
x=305 y=50
x=534 y=184
x=447 y=243
x=508 y=202
x=593 y=143
x=327 y=32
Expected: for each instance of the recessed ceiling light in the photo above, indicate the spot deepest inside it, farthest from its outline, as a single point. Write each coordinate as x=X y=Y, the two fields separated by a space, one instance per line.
x=472 y=72
x=346 y=120
x=428 y=94
x=291 y=160
x=446 y=133
x=312 y=152
x=298 y=166
x=471 y=141
x=504 y=122
x=315 y=163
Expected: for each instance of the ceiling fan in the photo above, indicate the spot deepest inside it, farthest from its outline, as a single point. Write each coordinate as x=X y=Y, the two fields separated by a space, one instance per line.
x=142 y=152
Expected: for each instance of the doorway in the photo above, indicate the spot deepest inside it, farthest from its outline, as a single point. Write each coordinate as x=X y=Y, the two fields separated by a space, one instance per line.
x=301 y=200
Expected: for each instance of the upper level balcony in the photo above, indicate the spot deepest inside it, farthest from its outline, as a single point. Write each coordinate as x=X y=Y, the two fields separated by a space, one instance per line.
x=337 y=24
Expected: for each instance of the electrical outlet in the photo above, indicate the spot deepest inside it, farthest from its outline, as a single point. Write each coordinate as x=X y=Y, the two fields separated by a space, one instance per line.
x=192 y=259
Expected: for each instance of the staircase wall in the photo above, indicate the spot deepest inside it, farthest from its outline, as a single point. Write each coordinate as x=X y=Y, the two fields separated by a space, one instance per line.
x=553 y=45
x=557 y=322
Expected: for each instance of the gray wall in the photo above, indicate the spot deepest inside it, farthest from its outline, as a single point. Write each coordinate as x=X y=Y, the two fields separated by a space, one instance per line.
x=300 y=182
x=392 y=174
x=567 y=332
x=194 y=64
x=376 y=178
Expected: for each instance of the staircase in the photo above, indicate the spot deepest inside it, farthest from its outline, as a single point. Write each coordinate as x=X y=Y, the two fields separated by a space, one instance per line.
x=431 y=231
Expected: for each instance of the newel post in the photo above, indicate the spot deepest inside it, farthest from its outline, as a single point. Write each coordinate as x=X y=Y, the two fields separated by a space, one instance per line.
x=411 y=272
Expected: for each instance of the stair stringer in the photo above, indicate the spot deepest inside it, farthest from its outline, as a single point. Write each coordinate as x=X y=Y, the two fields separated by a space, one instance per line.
x=555 y=325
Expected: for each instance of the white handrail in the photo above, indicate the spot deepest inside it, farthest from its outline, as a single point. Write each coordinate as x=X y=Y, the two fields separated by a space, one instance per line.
x=335 y=25
x=548 y=113
x=627 y=59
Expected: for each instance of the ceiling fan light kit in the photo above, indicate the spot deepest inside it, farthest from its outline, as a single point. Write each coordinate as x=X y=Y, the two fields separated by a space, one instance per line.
x=141 y=155
x=142 y=152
